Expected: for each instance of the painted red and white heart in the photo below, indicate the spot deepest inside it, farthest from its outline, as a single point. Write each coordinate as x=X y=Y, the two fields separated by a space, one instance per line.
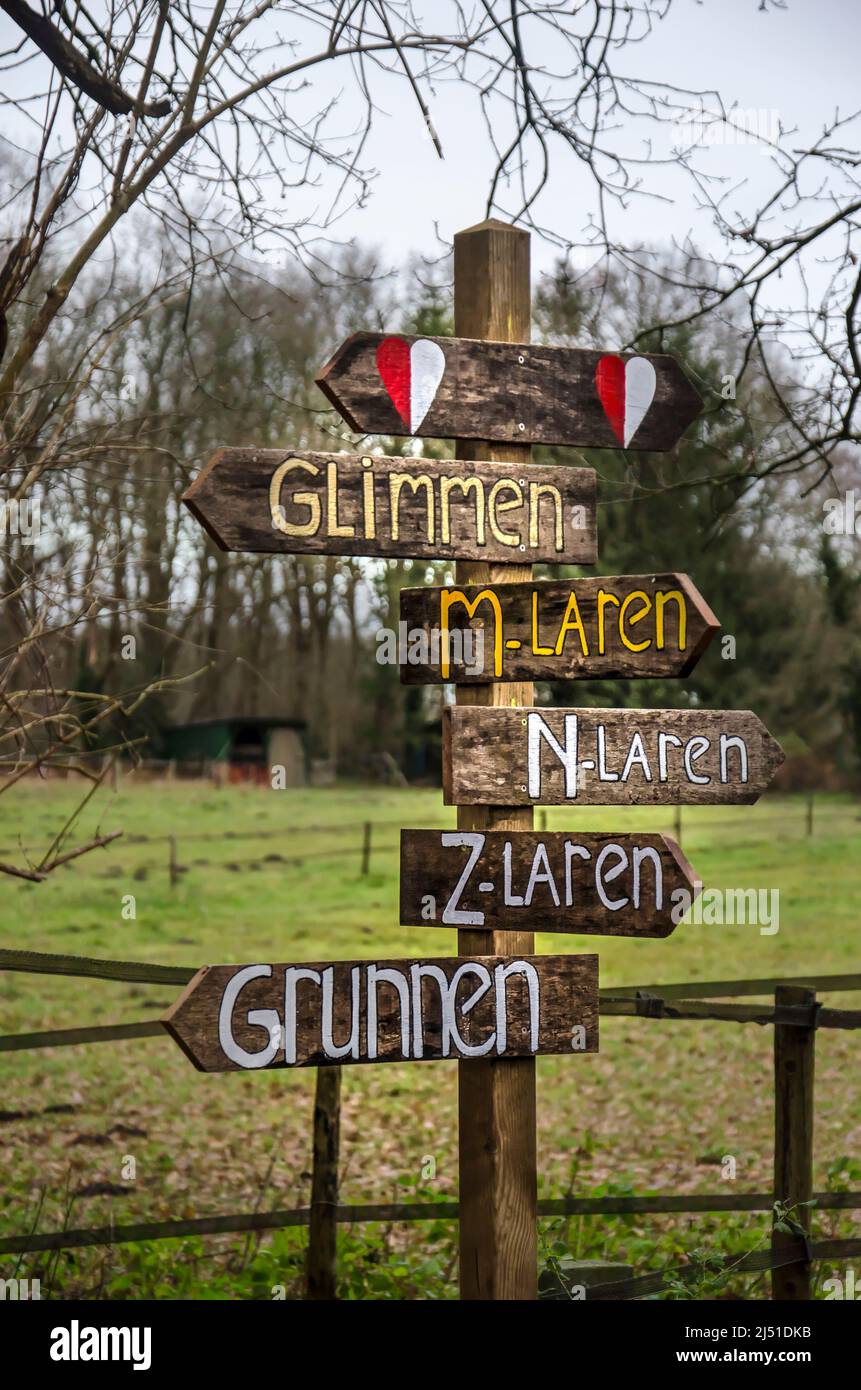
x=411 y=375
x=626 y=391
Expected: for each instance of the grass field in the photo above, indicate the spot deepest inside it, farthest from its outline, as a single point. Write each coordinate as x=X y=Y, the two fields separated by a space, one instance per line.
x=654 y=1111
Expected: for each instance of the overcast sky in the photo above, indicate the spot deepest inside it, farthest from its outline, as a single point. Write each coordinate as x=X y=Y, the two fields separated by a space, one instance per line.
x=797 y=65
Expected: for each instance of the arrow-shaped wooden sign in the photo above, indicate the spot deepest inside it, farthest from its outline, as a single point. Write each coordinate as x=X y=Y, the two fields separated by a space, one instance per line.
x=301 y=502
x=633 y=625
x=463 y=388
x=521 y=880
x=246 y=1017
x=644 y=757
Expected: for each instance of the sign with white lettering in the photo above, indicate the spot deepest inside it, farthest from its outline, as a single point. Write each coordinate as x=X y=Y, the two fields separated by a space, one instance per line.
x=523 y=880
x=646 y=757
x=246 y=1017
x=298 y=502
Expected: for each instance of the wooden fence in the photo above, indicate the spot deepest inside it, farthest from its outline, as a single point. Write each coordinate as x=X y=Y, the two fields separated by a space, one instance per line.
x=795 y=1014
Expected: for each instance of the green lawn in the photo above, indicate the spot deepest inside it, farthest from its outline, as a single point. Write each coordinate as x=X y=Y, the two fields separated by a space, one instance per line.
x=655 y=1110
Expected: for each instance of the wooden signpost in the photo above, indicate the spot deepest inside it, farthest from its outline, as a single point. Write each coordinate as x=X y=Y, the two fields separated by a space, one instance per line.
x=603 y=757
x=462 y=388
x=642 y=625
x=496 y=1006
x=350 y=504
x=246 y=1017
x=497 y=1122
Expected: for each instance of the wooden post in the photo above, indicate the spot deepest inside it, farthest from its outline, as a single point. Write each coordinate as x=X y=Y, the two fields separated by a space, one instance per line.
x=174 y=874
x=496 y=1099
x=679 y=826
x=810 y=814
x=366 y=849
x=323 y=1225
x=794 y=1050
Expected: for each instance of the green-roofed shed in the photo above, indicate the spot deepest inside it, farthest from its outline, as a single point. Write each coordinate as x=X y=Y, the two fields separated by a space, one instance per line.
x=245 y=744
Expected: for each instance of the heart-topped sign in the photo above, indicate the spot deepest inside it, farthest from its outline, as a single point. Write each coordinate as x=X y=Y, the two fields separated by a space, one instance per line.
x=411 y=375
x=523 y=393
x=626 y=390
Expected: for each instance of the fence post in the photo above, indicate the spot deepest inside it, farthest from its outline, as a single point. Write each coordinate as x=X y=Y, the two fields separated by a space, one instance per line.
x=323 y=1224
x=794 y=1050
x=174 y=872
x=679 y=826
x=810 y=814
x=366 y=849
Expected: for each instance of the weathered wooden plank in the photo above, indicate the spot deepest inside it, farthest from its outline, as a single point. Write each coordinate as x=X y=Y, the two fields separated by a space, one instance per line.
x=244 y=1017
x=71 y=1037
x=463 y=388
x=651 y=1007
x=737 y=989
x=139 y=972
x=579 y=629
x=296 y=501
x=603 y=757
x=592 y=884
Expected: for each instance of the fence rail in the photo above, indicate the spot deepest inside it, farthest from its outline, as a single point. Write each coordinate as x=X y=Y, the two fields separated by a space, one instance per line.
x=640 y=1286
x=406 y=1212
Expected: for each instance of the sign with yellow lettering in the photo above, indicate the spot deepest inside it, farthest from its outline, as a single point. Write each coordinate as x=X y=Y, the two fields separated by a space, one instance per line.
x=300 y=502
x=633 y=625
